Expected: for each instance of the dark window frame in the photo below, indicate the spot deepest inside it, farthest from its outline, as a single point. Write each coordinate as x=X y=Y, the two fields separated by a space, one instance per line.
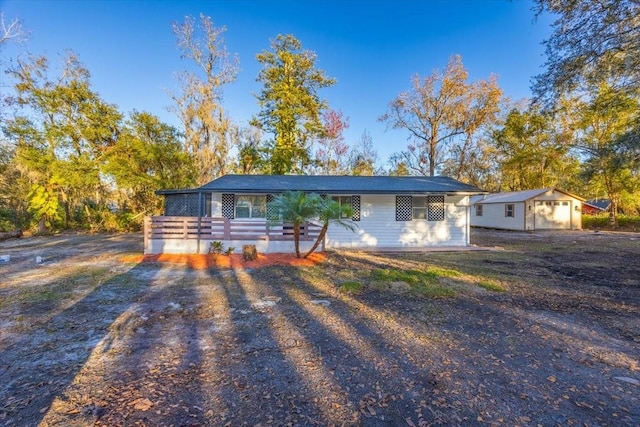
x=509 y=210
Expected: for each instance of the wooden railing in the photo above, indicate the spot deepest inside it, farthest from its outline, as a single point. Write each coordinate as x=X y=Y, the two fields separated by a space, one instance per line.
x=206 y=228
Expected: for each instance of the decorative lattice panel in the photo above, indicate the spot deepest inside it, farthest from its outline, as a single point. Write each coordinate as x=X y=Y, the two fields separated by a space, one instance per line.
x=271 y=213
x=403 y=208
x=436 y=208
x=228 y=204
x=355 y=206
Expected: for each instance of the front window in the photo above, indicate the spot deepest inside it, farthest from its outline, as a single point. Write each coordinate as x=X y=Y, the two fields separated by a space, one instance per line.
x=419 y=205
x=251 y=207
x=430 y=208
x=478 y=210
x=343 y=201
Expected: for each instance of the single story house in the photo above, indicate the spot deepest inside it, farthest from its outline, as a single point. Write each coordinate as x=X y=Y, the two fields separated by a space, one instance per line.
x=595 y=207
x=389 y=212
x=541 y=209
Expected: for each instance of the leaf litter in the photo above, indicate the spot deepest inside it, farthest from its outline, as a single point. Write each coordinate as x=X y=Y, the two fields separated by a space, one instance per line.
x=166 y=343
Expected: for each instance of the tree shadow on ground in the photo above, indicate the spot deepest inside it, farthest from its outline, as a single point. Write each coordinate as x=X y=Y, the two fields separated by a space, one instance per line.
x=309 y=363
x=52 y=342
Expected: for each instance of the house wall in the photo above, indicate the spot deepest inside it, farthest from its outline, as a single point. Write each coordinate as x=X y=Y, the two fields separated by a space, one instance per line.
x=378 y=226
x=493 y=216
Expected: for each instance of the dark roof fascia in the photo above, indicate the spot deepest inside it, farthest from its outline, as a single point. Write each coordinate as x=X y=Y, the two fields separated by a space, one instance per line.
x=400 y=192
x=185 y=191
x=382 y=192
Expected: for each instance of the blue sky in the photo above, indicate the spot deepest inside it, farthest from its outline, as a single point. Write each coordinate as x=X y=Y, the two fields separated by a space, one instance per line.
x=371 y=47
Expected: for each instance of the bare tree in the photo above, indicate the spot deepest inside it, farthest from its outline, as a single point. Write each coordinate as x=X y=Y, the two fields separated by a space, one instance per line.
x=440 y=108
x=363 y=157
x=207 y=127
x=12 y=30
x=331 y=155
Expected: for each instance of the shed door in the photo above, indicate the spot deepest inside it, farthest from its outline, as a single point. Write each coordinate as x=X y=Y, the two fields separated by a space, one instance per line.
x=553 y=214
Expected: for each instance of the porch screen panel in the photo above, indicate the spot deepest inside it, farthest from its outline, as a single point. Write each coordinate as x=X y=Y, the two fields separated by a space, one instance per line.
x=228 y=206
x=404 y=208
x=435 y=209
x=181 y=205
x=355 y=206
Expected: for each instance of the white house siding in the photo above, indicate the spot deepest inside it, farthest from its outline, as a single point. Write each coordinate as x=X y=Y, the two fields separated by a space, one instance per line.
x=378 y=226
x=192 y=246
x=493 y=216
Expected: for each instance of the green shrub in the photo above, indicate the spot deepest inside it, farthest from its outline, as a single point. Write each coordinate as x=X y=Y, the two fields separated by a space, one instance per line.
x=216 y=247
x=601 y=222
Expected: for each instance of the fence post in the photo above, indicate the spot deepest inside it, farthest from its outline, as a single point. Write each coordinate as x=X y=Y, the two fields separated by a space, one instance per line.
x=146 y=227
x=184 y=228
x=227 y=229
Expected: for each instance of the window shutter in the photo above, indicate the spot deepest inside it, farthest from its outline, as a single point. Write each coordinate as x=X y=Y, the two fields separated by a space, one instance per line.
x=436 y=208
x=271 y=213
x=404 y=208
x=355 y=206
x=228 y=205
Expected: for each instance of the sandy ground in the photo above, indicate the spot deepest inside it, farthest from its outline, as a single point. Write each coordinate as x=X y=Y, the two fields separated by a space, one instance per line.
x=94 y=336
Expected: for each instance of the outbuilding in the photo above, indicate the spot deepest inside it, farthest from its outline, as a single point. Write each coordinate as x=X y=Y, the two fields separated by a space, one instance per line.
x=595 y=207
x=388 y=212
x=541 y=209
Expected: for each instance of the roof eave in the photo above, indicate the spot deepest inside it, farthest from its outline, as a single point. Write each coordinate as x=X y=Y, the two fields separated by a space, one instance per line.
x=321 y=191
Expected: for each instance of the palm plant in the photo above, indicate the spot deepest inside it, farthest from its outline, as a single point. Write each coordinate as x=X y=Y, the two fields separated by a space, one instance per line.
x=295 y=207
x=329 y=212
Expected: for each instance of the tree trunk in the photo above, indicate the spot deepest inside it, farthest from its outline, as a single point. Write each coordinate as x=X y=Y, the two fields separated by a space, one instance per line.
x=432 y=155
x=42 y=225
x=613 y=213
x=10 y=235
x=323 y=232
x=296 y=237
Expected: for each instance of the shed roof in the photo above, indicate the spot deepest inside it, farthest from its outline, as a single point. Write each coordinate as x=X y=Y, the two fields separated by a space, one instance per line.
x=515 y=196
x=331 y=184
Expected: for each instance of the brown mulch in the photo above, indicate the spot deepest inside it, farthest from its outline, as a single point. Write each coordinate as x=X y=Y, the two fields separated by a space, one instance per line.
x=204 y=261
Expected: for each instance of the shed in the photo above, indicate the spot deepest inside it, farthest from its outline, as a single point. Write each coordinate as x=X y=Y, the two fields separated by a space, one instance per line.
x=541 y=209
x=595 y=207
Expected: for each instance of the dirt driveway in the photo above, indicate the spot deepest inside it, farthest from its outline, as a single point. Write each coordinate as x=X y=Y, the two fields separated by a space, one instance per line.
x=542 y=330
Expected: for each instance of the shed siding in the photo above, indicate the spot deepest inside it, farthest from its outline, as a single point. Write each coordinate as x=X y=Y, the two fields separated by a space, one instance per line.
x=575 y=217
x=493 y=216
x=378 y=226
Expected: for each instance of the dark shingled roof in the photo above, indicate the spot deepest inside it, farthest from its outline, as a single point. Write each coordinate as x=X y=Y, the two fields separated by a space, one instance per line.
x=603 y=204
x=330 y=184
